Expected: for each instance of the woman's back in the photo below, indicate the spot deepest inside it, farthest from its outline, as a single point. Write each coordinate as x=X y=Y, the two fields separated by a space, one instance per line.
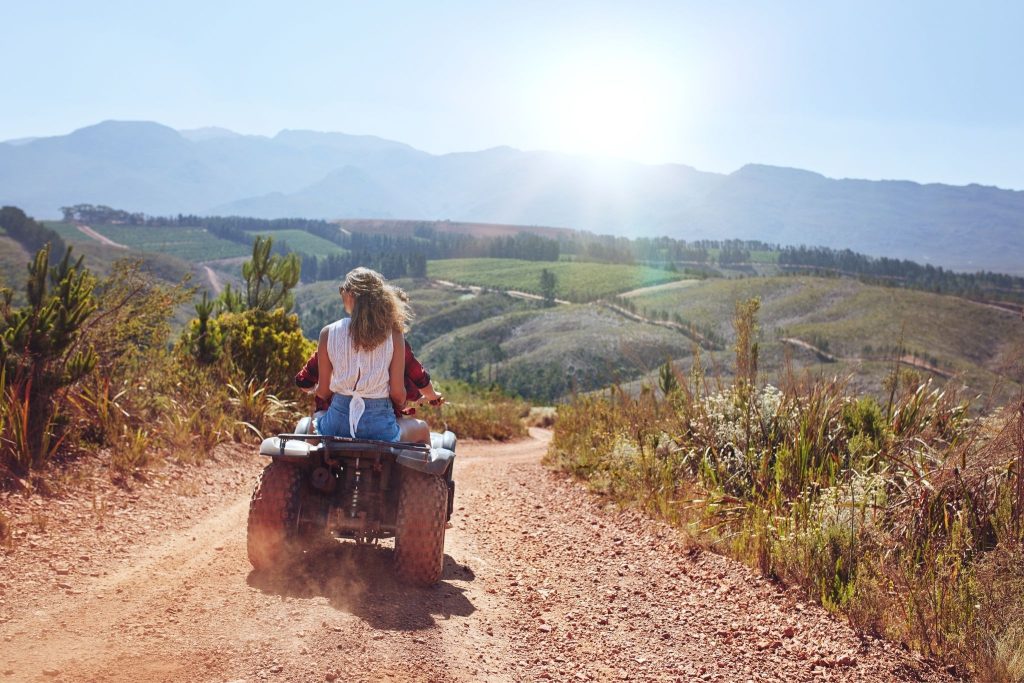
x=359 y=363
x=363 y=372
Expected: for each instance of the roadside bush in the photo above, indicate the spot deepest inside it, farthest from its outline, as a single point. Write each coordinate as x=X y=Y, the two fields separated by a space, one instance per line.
x=250 y=336
x=475 y=413
x=266 y=346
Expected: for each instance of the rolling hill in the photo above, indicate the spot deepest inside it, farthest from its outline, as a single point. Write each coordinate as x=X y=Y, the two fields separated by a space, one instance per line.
x=148 y=167
x=547 y=353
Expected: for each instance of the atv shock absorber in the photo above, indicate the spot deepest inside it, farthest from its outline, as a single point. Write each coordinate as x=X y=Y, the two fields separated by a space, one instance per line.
x=354 y=512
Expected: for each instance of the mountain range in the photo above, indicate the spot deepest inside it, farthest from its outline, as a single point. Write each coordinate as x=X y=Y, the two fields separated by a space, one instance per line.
x=149 y=167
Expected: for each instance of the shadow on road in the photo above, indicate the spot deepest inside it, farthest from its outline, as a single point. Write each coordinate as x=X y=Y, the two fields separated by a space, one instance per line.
x=361 y=580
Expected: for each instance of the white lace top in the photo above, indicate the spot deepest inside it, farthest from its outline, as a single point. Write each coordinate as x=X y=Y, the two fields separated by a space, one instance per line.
x=359 y=374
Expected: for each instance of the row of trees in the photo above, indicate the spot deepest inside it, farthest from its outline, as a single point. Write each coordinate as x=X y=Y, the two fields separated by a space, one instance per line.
x=901 y=272
x=391 y=264
x=99 y=213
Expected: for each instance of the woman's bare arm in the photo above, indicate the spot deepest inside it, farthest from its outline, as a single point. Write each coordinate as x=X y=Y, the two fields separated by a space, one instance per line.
x=397 y=370
x=323 y=361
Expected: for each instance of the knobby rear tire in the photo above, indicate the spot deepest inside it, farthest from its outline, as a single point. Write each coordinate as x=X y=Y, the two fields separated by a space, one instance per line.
x=420 y=527
x=274 y=515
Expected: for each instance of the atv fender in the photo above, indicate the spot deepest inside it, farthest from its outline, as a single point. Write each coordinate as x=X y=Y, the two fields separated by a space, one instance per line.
x=436 y=462
x=445 y=440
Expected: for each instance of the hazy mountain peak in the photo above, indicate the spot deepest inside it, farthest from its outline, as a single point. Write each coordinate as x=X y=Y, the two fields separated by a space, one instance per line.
x=141 y=165
x=768 y=172
x=114 y=127
x=340 y=141
x=208 y=133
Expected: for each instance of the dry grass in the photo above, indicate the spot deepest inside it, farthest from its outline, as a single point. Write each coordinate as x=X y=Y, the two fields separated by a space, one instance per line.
x=907 y=514
x=475 y=413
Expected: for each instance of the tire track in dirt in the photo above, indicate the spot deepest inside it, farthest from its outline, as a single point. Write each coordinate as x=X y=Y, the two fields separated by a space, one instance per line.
x=542 y=581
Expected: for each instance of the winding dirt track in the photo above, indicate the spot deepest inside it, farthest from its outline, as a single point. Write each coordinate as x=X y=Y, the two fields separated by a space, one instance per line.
x=102 y=239
x=542 y=581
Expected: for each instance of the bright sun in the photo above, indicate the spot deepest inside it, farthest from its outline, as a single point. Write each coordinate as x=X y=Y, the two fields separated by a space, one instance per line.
x=608 y=107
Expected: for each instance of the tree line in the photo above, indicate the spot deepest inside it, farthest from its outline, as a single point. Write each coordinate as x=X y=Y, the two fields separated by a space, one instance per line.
x=901 y=272
x=659 y=250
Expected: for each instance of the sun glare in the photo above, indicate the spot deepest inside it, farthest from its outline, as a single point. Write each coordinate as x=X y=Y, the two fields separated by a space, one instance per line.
x=608 y=107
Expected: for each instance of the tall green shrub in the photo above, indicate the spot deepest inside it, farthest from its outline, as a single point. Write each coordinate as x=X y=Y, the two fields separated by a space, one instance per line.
x=252 y=335
x=270 y=278
x=41 y=353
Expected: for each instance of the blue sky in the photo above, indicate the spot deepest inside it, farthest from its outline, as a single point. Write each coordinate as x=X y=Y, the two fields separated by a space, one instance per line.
x=926 y=91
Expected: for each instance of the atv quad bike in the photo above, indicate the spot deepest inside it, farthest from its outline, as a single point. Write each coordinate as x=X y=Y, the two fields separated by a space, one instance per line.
x=320 y=487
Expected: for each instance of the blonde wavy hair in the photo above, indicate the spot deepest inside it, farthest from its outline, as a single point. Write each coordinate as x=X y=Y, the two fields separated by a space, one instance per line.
x=378 y=310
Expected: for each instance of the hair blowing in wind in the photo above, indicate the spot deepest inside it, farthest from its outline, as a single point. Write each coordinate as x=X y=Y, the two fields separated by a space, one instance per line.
x=377 y=311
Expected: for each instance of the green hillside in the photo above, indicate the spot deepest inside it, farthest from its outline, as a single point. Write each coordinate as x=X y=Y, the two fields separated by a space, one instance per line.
x=302 y=242
x=829 y=325
x=13 y=259
x=68 y=232
x=859 y=324
x=547 y=353
x=575 y=281
x=319 y=303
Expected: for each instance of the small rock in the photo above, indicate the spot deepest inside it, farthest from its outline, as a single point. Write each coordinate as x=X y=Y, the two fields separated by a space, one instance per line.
x=544 y=628
x=276 y=669
x=52 y=673
x=789 y=631
x=330 y=676
x=846 y=660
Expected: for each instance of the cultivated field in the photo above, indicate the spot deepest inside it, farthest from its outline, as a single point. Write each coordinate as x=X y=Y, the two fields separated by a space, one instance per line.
x=190 y=244
x=575 y=281
x=302 y=241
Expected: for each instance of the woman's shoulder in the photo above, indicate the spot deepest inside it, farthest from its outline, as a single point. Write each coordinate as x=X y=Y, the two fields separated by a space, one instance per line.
x=337 y=326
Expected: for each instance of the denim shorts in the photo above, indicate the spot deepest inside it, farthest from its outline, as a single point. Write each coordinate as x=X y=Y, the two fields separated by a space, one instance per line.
x=378 y=421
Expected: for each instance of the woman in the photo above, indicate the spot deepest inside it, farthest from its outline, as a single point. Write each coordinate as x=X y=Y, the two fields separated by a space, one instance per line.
x=361 y=361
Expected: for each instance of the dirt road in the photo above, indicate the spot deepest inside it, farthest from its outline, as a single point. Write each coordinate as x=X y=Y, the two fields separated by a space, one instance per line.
x=215 y=282
x=102 y=239
x=542 y=581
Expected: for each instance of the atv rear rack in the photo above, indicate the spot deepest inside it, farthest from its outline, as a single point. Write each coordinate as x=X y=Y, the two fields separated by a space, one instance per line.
x=297 y=449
